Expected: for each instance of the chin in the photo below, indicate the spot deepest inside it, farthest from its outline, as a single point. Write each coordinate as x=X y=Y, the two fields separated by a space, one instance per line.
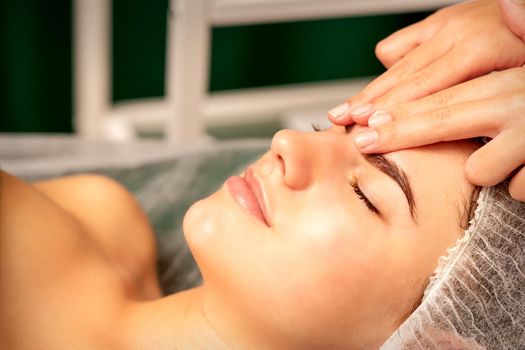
x=198 y=221
x=205 y=224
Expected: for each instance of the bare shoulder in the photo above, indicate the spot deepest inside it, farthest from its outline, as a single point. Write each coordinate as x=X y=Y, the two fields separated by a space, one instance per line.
x=93 y=209
x=115 y=220
x=74 y=252
x=23 y=209
x=53 y=278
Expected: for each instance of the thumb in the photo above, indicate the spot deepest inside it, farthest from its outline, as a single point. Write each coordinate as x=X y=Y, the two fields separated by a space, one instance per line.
x=513 y=12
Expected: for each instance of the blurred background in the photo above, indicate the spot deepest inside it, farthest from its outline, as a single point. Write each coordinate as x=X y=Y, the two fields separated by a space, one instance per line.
x=38 y=61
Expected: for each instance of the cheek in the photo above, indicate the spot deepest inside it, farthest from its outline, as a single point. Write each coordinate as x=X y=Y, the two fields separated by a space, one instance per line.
x=353 y=269
x=323 y=259
x=328 y=233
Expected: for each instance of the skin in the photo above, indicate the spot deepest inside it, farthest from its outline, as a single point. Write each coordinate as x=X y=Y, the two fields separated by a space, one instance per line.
x=491 y=106
x=466 y=40
x=425 y=61
x=328 y=273
x=513 y=12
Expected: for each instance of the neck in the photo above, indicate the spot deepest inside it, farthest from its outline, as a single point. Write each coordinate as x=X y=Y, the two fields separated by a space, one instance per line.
x=209 y=324
x=193 y=320
x=176 y=321
x=194 y=329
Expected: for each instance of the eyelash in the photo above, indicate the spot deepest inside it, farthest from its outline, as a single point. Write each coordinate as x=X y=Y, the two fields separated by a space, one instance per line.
x=362 y=197
x=354 y=183
x=316 y=127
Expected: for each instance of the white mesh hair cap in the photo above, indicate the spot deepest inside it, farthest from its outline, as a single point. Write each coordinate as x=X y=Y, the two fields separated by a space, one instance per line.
x=476 y=297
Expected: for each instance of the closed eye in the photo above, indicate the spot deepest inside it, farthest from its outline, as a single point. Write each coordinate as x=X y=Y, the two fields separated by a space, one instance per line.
x=391 y=169
x=362 y=196
x=353 y=182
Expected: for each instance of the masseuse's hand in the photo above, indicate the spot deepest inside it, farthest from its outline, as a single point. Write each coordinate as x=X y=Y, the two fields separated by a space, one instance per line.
x=453 y=45
x=491 y=106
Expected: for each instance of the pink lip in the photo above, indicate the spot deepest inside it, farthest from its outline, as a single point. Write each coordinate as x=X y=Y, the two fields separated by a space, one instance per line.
x=248 y=193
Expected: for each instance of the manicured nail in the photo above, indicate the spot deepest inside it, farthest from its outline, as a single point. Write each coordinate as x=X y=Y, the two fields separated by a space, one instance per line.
x=366 y=138
x=379 y=118
x=340 y=111
x=361 y=109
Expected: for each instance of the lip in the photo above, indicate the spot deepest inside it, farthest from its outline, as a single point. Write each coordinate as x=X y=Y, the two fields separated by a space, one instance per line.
x=249 y=194
x=259 y=192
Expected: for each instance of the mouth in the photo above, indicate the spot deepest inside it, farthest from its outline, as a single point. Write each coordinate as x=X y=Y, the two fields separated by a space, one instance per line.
x=248 y=192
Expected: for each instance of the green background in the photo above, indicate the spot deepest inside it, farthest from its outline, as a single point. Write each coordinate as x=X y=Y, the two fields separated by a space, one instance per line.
x=36 y=80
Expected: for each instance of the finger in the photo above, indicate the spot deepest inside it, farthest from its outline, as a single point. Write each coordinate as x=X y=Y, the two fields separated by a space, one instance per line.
x=397 y=45
x=493 y=162
x=434 y=77
x=467 y=120
x=477 y=89
x=513 y=13
x=340 y=115
x=517 y=185
x=419 y=58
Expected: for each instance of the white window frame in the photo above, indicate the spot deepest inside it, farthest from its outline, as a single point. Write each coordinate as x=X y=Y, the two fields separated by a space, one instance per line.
x=187 y=107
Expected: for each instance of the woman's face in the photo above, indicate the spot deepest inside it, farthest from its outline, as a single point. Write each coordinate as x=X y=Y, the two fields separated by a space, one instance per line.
x=325 y=264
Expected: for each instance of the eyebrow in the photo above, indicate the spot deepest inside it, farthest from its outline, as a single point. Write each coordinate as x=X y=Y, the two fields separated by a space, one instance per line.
x=392 y=170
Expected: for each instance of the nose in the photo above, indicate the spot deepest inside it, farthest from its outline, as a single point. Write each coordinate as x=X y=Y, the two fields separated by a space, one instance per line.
x=293 y=152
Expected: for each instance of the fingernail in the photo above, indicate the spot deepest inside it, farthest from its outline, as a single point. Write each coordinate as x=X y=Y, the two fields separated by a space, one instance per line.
x=340 y=111
x=361 y=109
x=366 y=138
x=379 y=118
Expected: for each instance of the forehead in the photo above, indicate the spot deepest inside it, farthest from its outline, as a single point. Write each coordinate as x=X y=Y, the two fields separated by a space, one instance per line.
x=437 y=176
x=435 y=163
